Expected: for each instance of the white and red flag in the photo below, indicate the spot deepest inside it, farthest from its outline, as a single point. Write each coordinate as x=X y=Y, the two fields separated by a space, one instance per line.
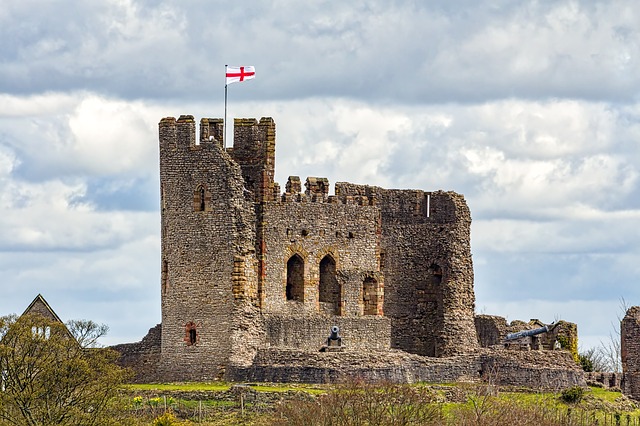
x=239 y=74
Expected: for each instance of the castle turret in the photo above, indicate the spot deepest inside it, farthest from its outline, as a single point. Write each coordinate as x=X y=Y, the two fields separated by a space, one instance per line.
x=208 y=232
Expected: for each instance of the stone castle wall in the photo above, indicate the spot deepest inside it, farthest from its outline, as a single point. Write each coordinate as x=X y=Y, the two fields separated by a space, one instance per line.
x=310 y=333
x=246 y=267
x=142 y=357
x=492 y=330
x=630 y=352
x=348 y=234
x=547 y=370
x=426 y=261
x=208 y=234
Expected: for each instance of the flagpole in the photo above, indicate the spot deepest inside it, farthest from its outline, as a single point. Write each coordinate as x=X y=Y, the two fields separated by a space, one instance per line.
x=224 y=123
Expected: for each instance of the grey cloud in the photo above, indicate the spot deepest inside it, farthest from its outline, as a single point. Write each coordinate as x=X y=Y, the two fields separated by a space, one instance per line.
x=400 y=51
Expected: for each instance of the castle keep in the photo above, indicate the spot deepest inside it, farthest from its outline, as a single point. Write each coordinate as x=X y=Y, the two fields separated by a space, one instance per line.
x=246 y=266
x=261 y=284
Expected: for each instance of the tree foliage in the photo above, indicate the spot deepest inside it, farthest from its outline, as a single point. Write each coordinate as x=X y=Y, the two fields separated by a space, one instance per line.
x=48 y=378
x=593 y=359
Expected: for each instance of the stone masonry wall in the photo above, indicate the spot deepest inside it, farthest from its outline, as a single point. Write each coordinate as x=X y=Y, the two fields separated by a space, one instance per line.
x=426 y=261
x=208 y=262
x=40 y=307
x=491 y=330
x=548 y=370
x=348 y=234
x=369 y=333
x=630 y=351
x=254 y=146
x=142 y=357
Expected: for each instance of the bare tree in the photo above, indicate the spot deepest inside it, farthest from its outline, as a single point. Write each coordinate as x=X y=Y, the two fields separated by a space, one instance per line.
x=87 y=332
x=610 y=350
x=593 y=360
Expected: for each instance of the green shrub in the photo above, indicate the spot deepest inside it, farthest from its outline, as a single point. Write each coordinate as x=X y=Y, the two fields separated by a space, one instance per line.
x=586 y=363
x=572 y=395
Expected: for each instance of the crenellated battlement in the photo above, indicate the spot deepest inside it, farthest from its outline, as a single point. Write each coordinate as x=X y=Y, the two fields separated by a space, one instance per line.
x=180 y=134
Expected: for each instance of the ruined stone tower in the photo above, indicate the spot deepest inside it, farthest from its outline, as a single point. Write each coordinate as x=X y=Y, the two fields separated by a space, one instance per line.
x=247 y=268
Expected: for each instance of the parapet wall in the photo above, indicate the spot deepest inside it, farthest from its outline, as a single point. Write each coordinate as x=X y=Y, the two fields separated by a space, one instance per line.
x=537 y=370
x=310 y=333
x=492 y=330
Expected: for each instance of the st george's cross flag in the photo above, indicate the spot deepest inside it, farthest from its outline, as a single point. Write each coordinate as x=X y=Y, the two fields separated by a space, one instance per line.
x=239 y=74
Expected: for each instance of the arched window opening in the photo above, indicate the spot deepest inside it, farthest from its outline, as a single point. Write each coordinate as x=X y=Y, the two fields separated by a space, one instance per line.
x=436 y=274
x=202 y=199
x=199 y=199
x=191 y=334
x=329 y=288
x=295 y=278
x=370 y=296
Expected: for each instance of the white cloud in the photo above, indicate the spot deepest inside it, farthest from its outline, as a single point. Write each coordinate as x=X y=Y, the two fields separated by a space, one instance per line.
x=529 y=109
x=74 y=134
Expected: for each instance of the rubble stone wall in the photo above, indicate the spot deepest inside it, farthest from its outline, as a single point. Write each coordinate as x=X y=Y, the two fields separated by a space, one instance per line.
x=426 y=261
x=348 y=234
x=311 y=332
x=534 y=369
x=630 y=351
x=142 y=357
x=491 y=330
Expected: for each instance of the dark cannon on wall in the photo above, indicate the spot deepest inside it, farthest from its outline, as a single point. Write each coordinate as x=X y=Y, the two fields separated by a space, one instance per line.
x=526 y=339
x=526 y=333
x=334 y=341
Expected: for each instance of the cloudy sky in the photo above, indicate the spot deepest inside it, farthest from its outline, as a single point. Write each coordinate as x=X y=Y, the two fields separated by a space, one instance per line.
x=530 y=109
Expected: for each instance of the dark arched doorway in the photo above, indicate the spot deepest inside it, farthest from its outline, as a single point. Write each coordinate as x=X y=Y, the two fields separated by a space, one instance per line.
x=295 y=278
x=329 y=288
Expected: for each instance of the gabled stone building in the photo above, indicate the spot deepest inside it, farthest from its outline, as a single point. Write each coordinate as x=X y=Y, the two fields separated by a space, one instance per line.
x=39 y=306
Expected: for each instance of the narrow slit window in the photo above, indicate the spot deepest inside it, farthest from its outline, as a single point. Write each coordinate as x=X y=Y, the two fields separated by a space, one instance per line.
x=191 y=334
x=202 y=203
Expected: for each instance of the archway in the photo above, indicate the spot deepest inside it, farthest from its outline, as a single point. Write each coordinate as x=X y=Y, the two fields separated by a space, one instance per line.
x=329 y=288
x=295 y=278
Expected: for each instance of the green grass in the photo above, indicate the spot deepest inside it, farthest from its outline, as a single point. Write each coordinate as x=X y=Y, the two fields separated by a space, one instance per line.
x=605 y=394
x=314 y=390
x=467 y=399
x=222 y=387
x=217 y=387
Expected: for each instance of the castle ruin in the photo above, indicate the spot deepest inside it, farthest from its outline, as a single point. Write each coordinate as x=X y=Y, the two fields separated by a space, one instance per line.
x=253 y=279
